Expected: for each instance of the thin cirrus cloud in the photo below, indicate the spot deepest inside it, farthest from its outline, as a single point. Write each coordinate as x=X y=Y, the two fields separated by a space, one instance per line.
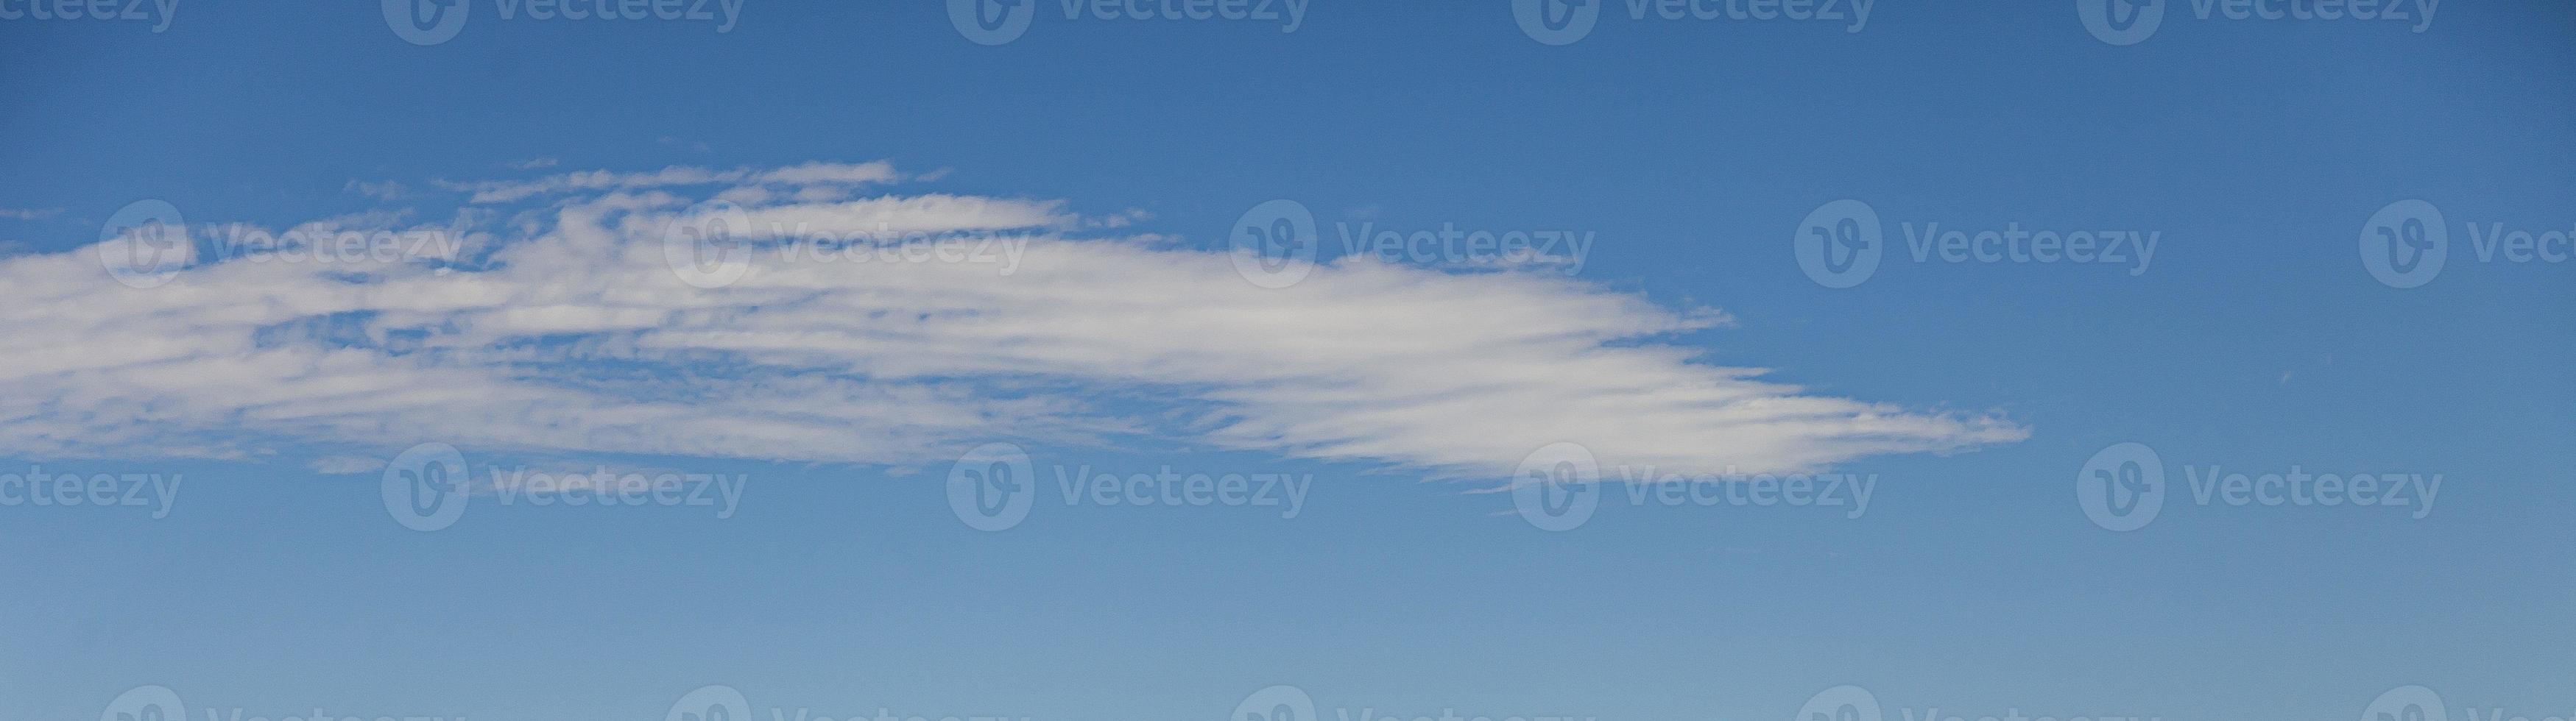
x=813 y=174
x=563 y=330
x=29 y=213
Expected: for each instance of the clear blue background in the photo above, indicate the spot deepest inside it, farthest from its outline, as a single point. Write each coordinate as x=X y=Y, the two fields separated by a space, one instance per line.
x=2256 y=341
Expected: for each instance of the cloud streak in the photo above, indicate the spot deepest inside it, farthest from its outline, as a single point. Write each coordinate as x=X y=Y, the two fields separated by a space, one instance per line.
x=568 y=333
x=29 y=213
x=807 y=175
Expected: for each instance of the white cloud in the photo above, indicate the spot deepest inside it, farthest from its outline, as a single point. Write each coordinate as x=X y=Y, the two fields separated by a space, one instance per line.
x=386 y=190
x=345 y=465
x=809 y=174
x=571 y=335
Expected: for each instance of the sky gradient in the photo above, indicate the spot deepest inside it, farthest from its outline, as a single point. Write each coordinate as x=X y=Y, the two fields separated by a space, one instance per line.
x=1666 y=175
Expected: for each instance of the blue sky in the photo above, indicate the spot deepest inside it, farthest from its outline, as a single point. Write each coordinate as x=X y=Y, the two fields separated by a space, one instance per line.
x=1121 y=156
